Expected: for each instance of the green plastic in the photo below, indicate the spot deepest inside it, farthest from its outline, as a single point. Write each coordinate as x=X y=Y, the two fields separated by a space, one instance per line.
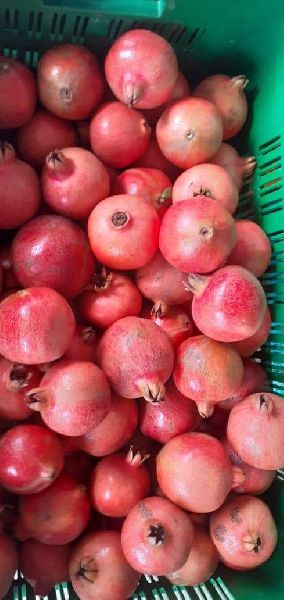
x=240 y=36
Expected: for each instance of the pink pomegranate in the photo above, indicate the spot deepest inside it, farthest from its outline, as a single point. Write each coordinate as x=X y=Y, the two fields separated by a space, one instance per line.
x=175 y=322
x=207 y=372
x=123 y=232
x=189 y=132
x=42 y=134
x=141 y=69
x=19 y=188
x=137 y=357
x=164 y=421
x=210 y=181
x=252 y=250
x=153 y=185
x=252 y=423
x=201 y=563
x=229 y=305
x=244 y=532
x=15 y=381
x=197 y=235
x=114 y=431
x=98 y=568
x=156 y=535
x=119 y=136
x=31 y=335
x=238 y=167
x=79 y=465
x=108 y=298
x=52 y=251
x=191 y=463
x=70 y=83
x=58 y=514
x=181 y=90
x=18 y=95
x=83 y=344
x=118 y=482
x=155 y=159
x=8 y=562
x=255 y=379
x=256 y=481
x=74 y=181
x=248 y=346
x=44 y=566
x=73 y=397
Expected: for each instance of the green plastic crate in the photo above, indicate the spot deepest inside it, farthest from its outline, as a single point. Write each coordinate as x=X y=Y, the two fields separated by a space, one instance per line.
x=240 y=36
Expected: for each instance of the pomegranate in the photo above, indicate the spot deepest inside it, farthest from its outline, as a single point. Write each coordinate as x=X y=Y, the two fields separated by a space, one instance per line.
x=255 y=430
x=31 y=335
x=119 y=136
x=229 y=305
x=98 y=568
x=216 y=424
x=248 y=346
x=201 y=562
x=153 y=185
x=8 y=562
x=252 y=250
x=255 y=379
x=79 y=466
x=256 y=481
x=210 y=181
x=164 y=421
x=197 y=235
x=227 y=93
x=52 y=251
x=19 y=188
x=156 y=535
x=44 y=566
x=70 y=83
x=189 y=132
x=163 y=284
x=238 y=167
x=114 y=431
x=73 y=397
x=185 y=466
x=123 y=232
x=155 y=159
x=207 y=372
x=108 y=298
x=175 y=322
x=141 y=69
x=83 y=344
x=17 y=93
x=181 y=90
x=244 y=532
x=31 y=458
x=74 y=181
x=137 y=357
x=15 y=381
x=118 y=482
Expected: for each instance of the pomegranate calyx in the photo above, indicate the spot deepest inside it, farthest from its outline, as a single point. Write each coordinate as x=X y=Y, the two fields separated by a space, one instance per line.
x=202 y=192
x=88 y=334
x=66 y=94
x=205 y=409
x=54 y=158
x=264 y=403
x=156 y=535
x=7 y=152
x=240 y=81
x=153 y=392
x=120 y=219
x=37 y=398
x=206 y=232
x=238 y=476
x=100 y=281
x=87 y=570
x=132 y=93
x=135 y=457
x=249 y=164
x=18 y=377
x=159 y=309
x=252 y=542
x=165 y=195
x=196 y=284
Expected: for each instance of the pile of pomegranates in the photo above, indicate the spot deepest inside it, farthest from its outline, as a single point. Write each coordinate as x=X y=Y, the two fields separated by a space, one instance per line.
x=137 y=430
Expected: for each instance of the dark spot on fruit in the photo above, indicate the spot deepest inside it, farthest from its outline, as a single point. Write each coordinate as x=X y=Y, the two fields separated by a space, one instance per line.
x=235 y=515
x=219 y=533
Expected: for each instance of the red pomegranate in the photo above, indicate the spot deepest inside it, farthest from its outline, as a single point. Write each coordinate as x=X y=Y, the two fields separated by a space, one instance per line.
x=15 y=381
x=137 y=357
x=44 y=566
x=255 y=379
x=175 y=322
x=83 y=344
x=256 y=481
x=30 y=334
x=119 y=136
x=248 y=346
x=201 y=563
x=189 y=132
x=252 y=250
x=141 y=69
x=8 y=563
x=238 y=167
x=74 y=181
x=153 y=185
x=70 y=83
x=155 y=159
x=18 y=95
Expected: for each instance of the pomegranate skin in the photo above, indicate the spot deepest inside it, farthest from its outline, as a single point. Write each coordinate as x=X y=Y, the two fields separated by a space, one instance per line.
x=156 y=535
x=123 y=232
x=187 y=463
x=255 y=379
x=227 y=93
x=15 y=381
x=42 y=134
x=162 y=283
x=207 y=180
x=53 y=252
x=119 y=136
x=31 y=335
x=252 y=250
x=58 y=514
x=152 y=185
x=44 y=566
x=238 y=167
x=201 y=563
x=244 y=532
x=73 y=397
x=98 y=568
x=70 y=83
x=248 y=346
x=141 y=69
x=197 y=235
x=74 y=181
x=83 y=345
x=256 y=481
x=229 y=305
x=18 y=95
x=8 y=564
x=254 y=421
x=137 y=357
x=189 y=132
